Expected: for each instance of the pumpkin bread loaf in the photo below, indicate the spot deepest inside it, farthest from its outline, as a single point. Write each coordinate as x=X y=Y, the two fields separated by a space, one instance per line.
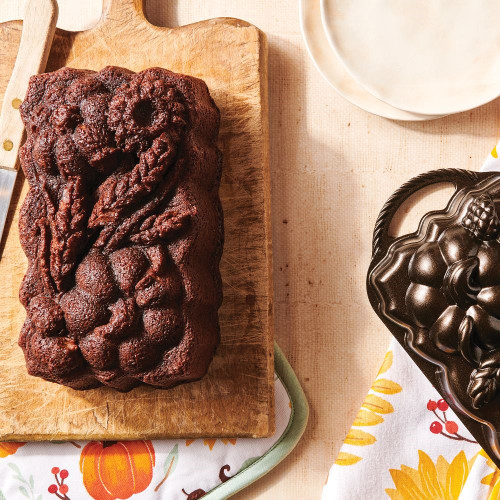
x=122 y=227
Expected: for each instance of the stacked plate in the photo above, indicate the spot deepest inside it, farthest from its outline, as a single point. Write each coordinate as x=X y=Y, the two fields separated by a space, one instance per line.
x=403 y=59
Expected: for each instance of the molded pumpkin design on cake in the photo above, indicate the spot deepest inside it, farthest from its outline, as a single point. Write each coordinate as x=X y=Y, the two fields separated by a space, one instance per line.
x=114 y=470
x=9 y=448
x=455 y=294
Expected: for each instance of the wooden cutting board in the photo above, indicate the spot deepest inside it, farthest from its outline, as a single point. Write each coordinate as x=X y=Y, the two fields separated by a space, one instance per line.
x=236 y=397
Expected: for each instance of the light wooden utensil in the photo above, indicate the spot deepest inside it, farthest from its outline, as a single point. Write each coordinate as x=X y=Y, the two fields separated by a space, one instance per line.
x=39 y=25
x=236 y=397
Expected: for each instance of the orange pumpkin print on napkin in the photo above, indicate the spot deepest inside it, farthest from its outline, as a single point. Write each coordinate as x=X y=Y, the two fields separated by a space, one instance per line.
x=8 y=448
x=114 y=470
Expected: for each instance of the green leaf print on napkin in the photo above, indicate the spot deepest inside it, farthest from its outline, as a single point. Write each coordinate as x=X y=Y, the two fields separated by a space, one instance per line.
x=169 y=465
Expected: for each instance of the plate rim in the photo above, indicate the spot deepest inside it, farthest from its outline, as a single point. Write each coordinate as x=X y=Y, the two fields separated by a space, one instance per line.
x=392 y=113
x=327 y=28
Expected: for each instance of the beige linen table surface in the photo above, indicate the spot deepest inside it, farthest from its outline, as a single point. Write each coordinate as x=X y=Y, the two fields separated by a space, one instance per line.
x=333 y=166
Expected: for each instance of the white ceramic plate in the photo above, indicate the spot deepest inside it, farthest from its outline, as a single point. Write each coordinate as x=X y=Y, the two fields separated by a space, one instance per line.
x=333 y=70
x=427 y=56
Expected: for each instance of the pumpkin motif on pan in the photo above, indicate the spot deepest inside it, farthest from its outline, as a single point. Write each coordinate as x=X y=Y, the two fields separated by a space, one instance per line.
x=114 y=470
x=455 y=294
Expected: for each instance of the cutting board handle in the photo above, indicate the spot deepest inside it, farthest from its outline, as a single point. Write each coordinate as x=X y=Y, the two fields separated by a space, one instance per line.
x=122 y=10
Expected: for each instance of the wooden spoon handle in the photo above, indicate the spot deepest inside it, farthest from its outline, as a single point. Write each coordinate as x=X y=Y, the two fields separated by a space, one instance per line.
x=39 y=25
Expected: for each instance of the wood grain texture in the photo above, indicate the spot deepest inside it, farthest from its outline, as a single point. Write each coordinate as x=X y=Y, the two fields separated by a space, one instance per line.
x=236 y=397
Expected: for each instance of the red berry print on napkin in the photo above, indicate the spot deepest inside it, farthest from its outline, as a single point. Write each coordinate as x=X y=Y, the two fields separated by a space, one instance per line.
x=450 y=426
x=59 y=489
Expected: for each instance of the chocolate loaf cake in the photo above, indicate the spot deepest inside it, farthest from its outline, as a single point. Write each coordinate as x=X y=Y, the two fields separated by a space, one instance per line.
x=122 y=227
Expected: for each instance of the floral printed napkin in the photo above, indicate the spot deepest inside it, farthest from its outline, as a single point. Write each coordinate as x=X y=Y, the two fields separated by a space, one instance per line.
x=407 y=444
x=161 y=469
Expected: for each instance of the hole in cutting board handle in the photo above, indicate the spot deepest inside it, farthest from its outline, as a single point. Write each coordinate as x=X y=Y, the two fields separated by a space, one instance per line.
x=411 y=211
